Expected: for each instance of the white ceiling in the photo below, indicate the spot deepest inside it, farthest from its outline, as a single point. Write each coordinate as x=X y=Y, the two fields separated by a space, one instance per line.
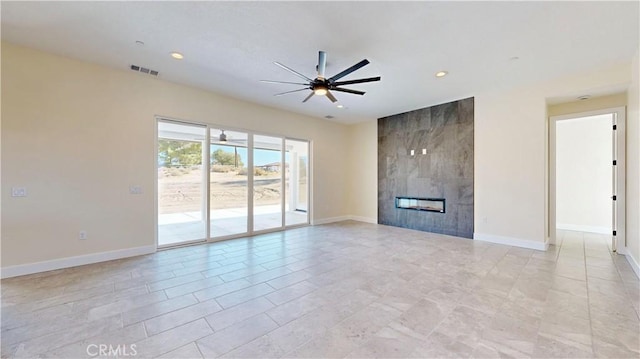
x=229 y=46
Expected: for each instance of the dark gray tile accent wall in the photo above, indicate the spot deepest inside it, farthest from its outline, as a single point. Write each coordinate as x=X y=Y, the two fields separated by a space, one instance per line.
x=446 y=171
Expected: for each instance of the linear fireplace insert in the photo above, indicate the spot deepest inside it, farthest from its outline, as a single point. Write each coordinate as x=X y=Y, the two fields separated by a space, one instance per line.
x=421 y=204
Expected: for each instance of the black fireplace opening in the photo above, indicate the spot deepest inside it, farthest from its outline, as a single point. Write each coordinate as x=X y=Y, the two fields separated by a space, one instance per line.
x=421 y=204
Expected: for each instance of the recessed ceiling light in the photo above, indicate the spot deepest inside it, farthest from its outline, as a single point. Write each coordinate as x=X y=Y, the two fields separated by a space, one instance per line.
x=177 y=55
x=441 y=73
x=340 y=106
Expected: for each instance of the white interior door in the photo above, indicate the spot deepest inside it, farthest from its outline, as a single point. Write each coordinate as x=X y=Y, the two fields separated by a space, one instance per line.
x=618 y=239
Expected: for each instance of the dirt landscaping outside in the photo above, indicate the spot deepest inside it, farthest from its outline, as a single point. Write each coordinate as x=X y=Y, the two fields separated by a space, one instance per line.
x=180 y=189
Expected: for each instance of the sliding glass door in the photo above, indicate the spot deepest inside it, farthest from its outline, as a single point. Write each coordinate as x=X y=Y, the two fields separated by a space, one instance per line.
x=267 y=182
x=229 y=186
x=181 y=178
x=296 y=182
x=216 y=183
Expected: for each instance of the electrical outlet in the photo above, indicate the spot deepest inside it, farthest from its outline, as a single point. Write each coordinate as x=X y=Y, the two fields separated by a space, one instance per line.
x=18 y=192
x=82 y=235
x=135 y=190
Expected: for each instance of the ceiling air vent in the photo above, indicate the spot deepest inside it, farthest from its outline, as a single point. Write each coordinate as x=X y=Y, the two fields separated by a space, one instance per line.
x=328 y=117
x=144 y=70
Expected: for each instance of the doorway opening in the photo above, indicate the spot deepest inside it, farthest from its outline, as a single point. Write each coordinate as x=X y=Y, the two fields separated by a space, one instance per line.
x=587 y=175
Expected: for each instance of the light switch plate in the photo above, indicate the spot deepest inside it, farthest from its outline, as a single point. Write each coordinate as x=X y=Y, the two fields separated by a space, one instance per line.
x=135 y=190
x=18 y=192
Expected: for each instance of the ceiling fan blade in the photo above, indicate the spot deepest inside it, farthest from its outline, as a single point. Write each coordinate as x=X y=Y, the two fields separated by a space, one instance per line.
x=350 y=70
x=288 y=92
x=293 y=71
x=283 y=82
x=308 y=97
x=359 y=81
x=330 y=96
x=356 y=92
x=322 y=63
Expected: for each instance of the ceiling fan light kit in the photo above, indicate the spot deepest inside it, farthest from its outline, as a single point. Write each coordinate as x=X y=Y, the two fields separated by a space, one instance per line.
x=322 y=86
x=320 y=90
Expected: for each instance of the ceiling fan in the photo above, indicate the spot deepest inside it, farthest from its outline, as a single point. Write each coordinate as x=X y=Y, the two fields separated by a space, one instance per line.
x=322 y=86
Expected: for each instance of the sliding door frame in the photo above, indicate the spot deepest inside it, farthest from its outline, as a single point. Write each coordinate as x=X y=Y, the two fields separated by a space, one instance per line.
x=250 y=185
x=282 y=176
x=205 y=200
x=309 y=191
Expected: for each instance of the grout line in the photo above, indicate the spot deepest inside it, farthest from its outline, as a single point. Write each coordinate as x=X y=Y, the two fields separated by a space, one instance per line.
x=209 y=324
x=586 y=275
x=198 y=347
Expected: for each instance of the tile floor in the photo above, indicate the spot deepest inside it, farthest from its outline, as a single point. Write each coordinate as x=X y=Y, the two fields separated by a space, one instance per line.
x=342 y=290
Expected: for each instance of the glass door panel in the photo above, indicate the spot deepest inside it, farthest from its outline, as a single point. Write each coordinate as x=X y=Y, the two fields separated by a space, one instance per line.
x=229 y=199
x=181 y=179
x=267 y=182
x=296 y=182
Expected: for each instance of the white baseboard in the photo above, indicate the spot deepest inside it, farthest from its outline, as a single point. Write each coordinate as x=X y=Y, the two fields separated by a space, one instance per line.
x=344 y=218
x=24 y=269
x=633 y=263
x=581 y=228
x=510 y=241
x=364 y=219
x=316 y=222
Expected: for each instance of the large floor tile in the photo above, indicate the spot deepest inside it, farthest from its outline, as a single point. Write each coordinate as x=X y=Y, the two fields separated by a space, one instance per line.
x=232 y=337
x=346 y=289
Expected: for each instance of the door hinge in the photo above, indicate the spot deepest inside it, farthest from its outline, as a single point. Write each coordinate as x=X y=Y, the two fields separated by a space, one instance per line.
x=614 y=233
x=615 y=162
x=615 y=127
x=614 y=197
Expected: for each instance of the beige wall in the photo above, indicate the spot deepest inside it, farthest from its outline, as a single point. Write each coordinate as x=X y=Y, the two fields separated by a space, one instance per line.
x=592 y=104
x=509 y=165
x=511 y=154
x=363 y=171
x=633 y=164
x=77 y=135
